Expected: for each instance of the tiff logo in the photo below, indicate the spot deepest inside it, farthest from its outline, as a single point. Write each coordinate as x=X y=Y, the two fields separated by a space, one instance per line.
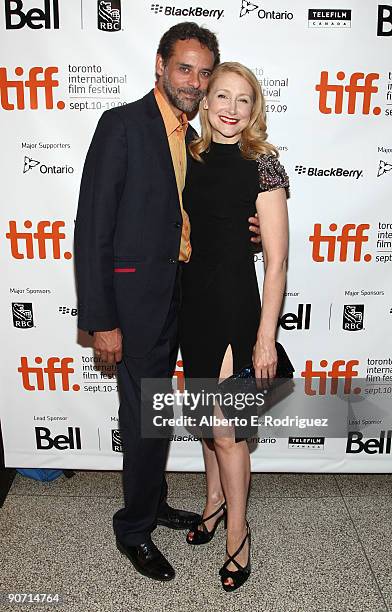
x=346 y=237
x=33 y=84
x=384 y=20
x=353 y=89
x=46 y=377
x=27 y=245
x=340 y=369
x=35 y=18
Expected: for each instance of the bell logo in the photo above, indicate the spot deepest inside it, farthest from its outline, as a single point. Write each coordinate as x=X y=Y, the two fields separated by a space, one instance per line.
x=371 y=446
x=35 y=18
x=384 y=21
x=33 y=84
x=41 y=377
x=30 y=245
x=70 y=442
x=350 y=234
x=301 y=320
x=340 y=369
x=353 y=89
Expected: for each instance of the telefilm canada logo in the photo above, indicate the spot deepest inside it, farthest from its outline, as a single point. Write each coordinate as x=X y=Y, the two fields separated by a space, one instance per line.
x=37 y=17
x=328 y=172
x=22 y=314
x=189 y=11
x=314 y=443
x=262 y=13
x=109 y=15
x=353 y=317
x=117 y=443
x=329 y=18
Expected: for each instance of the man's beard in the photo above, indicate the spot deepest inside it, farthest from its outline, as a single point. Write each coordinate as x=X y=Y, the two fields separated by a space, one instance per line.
x=183 y=104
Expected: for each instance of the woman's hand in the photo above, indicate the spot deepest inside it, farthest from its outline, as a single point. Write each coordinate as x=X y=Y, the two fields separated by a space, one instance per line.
x=265 y=358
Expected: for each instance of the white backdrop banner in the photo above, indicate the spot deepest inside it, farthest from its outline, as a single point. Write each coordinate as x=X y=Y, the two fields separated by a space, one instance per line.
x=327 y=78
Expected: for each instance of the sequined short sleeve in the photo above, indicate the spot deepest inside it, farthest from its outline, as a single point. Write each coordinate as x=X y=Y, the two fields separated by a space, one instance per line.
x=272 y=174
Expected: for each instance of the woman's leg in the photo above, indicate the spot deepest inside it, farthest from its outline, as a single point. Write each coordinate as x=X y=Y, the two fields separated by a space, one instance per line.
x=234 y=468
x=215 y=496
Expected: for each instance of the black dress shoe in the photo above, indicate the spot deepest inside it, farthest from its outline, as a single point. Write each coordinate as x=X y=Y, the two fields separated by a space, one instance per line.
x=148 y=560
x=177 y=519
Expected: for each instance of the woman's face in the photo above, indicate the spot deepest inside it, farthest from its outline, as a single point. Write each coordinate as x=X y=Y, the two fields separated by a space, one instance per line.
x=229 y=107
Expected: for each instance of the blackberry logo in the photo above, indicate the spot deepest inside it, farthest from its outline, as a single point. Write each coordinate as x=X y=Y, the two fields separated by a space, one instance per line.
x=353 y=317
x=22 y=314
x=109 y=15
x=65 y=310
x=117 y=444
x=327 y=172
x=300 y=169
x=157 y=8
x=190 y=11
x=383 y=168
x=247 y=7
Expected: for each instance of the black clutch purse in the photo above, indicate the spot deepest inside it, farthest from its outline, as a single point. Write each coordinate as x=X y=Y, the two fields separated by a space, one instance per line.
x=245 y=381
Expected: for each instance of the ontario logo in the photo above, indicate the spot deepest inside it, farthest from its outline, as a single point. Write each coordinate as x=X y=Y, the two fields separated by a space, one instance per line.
x=29 y=164
x=250 y=7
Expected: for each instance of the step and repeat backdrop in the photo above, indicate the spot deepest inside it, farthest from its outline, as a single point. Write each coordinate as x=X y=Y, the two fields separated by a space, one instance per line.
x=326 y=74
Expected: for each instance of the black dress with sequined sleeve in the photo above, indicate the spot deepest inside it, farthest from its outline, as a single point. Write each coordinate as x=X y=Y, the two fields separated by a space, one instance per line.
x=220 y=294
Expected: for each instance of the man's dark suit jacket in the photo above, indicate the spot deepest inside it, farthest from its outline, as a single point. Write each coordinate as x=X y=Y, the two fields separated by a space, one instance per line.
x=128 y=226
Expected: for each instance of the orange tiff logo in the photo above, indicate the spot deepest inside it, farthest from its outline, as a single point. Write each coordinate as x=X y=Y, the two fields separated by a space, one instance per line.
x=47 y=377
x=350 y=234
x=29 y=245
x=39 y=79
x=332 y=96
x=340 y=369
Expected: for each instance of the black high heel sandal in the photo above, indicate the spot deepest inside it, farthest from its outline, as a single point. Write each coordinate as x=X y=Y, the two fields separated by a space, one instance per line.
x=240 y=575
x=203 y=536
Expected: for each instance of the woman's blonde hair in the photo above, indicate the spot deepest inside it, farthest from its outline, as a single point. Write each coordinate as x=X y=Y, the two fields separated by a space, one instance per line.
x=253 y=140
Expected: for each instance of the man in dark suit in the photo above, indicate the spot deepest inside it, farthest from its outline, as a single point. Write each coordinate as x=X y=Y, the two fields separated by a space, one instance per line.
x=131 y=237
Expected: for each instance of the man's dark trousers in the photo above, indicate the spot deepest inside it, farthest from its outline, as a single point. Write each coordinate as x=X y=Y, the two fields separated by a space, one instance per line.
x=144 y=481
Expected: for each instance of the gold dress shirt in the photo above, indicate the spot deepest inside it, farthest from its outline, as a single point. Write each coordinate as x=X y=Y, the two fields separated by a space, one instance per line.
x=175 y=130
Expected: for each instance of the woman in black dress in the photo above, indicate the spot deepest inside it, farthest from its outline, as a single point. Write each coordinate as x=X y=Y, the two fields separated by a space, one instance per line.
x=232 y=173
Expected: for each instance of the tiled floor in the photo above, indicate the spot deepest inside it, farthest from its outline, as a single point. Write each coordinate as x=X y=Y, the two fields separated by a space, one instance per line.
x=320 y=542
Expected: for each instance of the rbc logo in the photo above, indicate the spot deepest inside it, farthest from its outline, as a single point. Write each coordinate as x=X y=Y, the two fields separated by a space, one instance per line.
x=40 y=377
x=29 y=245
x=350 y=234
x=33 y=84
x=353 y=89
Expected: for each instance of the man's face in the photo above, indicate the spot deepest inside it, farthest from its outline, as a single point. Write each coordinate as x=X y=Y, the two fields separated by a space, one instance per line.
x=184 y=78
